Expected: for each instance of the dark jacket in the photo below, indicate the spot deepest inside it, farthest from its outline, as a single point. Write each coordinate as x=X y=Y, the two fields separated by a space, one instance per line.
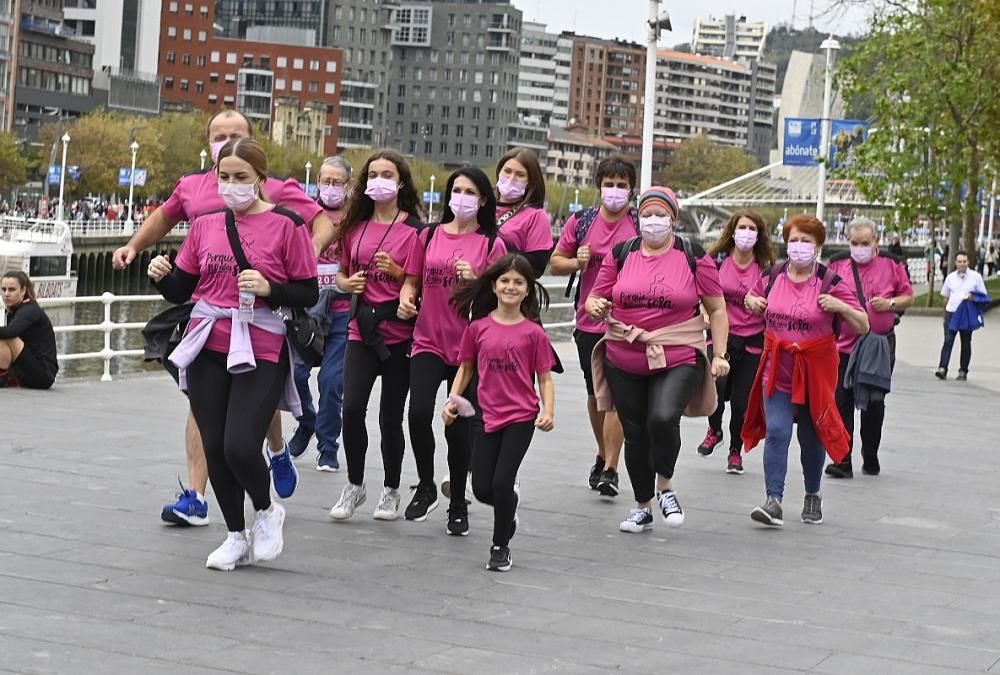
x=869 y=370
x=30 y=323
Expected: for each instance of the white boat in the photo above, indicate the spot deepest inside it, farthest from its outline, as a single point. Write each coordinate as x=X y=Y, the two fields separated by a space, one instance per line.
x=42 y=249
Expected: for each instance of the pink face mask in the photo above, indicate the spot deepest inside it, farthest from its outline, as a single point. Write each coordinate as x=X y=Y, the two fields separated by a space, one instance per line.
x=862 y=254
x=382 y=189
x=745 y=239
x=332 y=195
x=510 y=190
x=238 y=196
x=802 y=253
x=465 y=207
x=216 y=147
x=614 y=198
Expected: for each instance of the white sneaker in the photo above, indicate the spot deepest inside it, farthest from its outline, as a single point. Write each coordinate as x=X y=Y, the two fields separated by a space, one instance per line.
x=351 y=498
x=673 y=515
x=268 y=540
x=388 y=505
x=638 y=520
x=234 y=552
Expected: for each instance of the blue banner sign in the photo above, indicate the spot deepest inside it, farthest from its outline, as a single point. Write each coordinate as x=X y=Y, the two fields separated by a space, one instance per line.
x=802 y=140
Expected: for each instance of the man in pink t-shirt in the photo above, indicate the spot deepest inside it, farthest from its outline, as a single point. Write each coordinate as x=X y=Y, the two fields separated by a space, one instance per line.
x=194 y=195
x=886 y=289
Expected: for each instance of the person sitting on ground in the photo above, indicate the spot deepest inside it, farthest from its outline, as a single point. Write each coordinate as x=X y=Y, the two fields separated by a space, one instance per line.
x=27 y=341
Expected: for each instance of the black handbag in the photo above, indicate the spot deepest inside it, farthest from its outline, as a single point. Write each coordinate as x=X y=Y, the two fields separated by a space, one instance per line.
x=303 y=329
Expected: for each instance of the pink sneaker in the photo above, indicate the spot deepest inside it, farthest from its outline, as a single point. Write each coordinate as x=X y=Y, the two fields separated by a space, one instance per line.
x=735 y=464
x=712 y=439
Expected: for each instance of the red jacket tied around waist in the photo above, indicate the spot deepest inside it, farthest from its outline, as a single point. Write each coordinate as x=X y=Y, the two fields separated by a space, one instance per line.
x=814 y=382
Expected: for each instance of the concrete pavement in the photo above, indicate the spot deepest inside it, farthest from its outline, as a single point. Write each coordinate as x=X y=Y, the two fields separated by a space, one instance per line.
x=902 y=577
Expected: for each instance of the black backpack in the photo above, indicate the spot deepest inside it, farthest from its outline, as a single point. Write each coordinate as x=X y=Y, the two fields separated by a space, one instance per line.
x=581 y=228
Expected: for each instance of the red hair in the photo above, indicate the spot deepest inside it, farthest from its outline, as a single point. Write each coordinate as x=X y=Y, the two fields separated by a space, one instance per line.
x=810 y=225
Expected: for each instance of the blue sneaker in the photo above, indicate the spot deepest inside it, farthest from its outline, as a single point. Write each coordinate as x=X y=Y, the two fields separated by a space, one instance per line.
x=188 y=510
x=327 y=461
x=283 y=474
x=300 y=441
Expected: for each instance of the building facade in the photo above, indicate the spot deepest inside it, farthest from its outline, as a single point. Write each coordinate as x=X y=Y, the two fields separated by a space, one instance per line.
x=731 y=37
x=536 y=76
x=9 y=23
x=573 y=156
x=453 y=80
x=732 y=103
x=564 y=68
x=239 y=20
x=607 y=79
x=202 y=71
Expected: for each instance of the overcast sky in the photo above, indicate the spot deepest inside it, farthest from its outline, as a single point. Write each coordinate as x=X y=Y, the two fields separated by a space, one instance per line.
x=626 y=18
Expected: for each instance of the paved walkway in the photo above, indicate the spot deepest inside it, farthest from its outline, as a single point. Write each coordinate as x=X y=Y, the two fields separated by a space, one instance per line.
x=901 y=578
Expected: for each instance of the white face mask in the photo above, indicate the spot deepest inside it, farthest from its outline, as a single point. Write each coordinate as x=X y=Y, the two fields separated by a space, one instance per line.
x=238 y=196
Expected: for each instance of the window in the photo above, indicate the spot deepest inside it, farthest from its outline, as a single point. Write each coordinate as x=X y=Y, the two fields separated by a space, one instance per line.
x=172 y=31
x=189 y=9
x=187 y=33
x=202 y=36
x=428 y=147
x=173 y=7
x=401 y=90
x=458 y=149
x=228 y=99
x=231 y=58
x=314 y=64
x=186 y=59
x=168 y=83
x=414 y=128
x=475 y=113
x=215 y=57
x=478 y=77
x=171 y=57
x=331 y=66
x=296 y=85
x=204 y=10
x=297 y=64
x=279 y=83
x=477 y=97
x=443 y=148
x=330 y=88
x=314 y=87
x=213 y=98
x=184 y=85
x=230 y=78
x=199 y=86
x=282 y=62
x=459 y=131
x=213 y=77
x=201 y=61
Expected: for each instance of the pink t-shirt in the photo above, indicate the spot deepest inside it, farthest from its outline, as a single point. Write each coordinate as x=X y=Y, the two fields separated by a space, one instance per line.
x=274 y=245
x=507 y=360
x=198 y=193
x=439 y=328
x=736 y=283
x=653 y=292
x=881 y=277
x=358 y=251
x=601 y=237
x=329 y=264
x=527 y=230
x=793 y=314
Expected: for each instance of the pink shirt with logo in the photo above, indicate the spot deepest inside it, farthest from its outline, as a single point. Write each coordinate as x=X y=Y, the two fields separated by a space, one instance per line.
x=601 y=237
x=793 y=314
x=439 y=328
x=358 y=251
x=198 y=193
x=527 y=230
x=881 y=277
x=329 y=265
x=736 y=283
x=274 y=245
x=652 y=292
x=507 y=360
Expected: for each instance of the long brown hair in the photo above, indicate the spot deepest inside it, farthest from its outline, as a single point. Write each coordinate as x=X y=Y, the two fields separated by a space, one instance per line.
x=361 y=207
x=534 y=193
x=763 y=250
x=24 y=281
x=477 y=299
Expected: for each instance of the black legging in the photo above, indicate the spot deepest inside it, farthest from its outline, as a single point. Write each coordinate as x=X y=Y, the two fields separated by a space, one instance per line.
x=427 y=371
x=361 y=368
x=496 y=458
x=233 y=413
x=735 y=388
x=650 y=407
x=872 y=418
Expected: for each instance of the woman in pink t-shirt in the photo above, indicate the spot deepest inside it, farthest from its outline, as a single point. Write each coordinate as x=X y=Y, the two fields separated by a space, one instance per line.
x=450 y=254
x=649 y=289
x=378 y=239
x=508 y=350
x=524 y=224
x=612 y=223
x=802 y=303
x=743 y=252
x=233 y=407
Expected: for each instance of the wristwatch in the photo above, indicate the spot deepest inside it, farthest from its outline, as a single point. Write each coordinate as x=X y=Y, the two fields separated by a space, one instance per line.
x=892 y=303
x=724 y=356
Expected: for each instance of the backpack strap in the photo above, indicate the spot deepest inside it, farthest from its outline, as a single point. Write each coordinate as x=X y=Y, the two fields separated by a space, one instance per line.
x=584 y=223
x=685 y=245
x=432 y=228
x=773 y=274
x=857 y=283
x=234 y=241
x=622 y=250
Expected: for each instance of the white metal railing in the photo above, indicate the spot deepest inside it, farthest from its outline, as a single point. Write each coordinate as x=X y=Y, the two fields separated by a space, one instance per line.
x=52 y=231
x=105 y=326
x=33 y=230
x=112 y=228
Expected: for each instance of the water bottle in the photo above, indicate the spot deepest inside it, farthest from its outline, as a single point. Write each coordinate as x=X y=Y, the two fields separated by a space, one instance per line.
x=247 y=300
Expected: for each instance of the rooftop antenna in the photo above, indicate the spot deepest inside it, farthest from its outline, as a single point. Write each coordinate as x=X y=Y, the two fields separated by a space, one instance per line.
x=812 y=6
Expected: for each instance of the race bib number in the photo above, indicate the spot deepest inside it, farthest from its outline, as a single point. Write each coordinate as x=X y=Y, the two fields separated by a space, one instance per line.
x=327 y=276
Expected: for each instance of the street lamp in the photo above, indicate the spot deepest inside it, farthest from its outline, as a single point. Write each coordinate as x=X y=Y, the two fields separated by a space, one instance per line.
x=657 y=22
x=576 y=200
x=203 y=156
x=134 y=147
x=60 y=212
x=309 y=166
x=831 y=46
x=430 y=208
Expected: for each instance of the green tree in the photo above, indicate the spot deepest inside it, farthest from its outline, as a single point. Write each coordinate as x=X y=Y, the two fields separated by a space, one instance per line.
x=700 y=164
x=186 y=136
x=13 y=165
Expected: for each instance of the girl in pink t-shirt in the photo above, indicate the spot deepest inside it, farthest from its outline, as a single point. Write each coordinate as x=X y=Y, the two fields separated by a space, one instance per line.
x=524 y=224
x=508 y=351
x=743 y=252
x=449 y=255
x=234 y=409
x=378 y=237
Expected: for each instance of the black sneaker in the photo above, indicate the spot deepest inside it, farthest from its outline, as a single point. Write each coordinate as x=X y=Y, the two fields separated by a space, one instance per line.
x=941 y=373
x=608 y=485
x=962 y=376
x=458 y=520
x=812 y=509
x=870 y=465
x=840 y=470
x=424 y=501
x=499 y=559
x=712 y=439
x=596 y=471
x=769 y=513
